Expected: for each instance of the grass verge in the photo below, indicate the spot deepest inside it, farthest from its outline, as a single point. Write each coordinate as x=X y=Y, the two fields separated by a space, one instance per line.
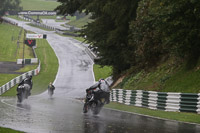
x=8 y=42
x=101 y=72
x=169 y=76
x=27 y=68
x=80 y=22
x=7 y=130
x=49 y=66
x=9 y=49
x=39 y=5
x=183 y=117
x=4 y=78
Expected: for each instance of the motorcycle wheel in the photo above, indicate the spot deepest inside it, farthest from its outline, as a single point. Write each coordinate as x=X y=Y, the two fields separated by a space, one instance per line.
x=50 y=93
x=85 y=108
x=19 y=97
x=95 y=108
x=26 y=94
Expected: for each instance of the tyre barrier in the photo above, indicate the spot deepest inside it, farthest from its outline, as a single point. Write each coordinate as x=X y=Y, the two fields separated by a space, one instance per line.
x=18 y=79
x=167 y=101
x=43 y=25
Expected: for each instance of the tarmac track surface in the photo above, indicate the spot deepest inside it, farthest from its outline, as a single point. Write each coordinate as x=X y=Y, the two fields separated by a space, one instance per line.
x=63 y=112
x=10 y=68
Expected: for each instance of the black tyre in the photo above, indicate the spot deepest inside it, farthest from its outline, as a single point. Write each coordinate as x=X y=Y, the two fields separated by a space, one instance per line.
x=50 y=92
x=85 y=108
x=95 y=109
x=19 y=97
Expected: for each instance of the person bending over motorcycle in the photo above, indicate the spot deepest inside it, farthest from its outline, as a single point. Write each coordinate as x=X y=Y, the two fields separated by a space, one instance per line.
x=27 y=80
x=101 y=90
x=51 y=88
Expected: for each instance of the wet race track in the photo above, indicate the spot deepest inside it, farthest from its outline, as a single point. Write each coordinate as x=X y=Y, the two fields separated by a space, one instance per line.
x=63 y=112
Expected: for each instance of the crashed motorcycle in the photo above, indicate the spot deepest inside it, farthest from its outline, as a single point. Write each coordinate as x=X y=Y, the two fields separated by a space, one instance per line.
x=23 y=91
x=93 y=103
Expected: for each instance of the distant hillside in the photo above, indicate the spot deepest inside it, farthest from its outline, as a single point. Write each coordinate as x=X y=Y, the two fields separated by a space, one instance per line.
x=39 y=4
x=80 y=22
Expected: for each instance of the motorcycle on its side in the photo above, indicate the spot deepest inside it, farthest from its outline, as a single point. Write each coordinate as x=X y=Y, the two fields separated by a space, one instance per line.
x=92 y=104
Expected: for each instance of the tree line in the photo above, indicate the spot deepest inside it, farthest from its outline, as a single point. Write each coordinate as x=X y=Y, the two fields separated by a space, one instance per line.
x=139 y=33
x=9 y=5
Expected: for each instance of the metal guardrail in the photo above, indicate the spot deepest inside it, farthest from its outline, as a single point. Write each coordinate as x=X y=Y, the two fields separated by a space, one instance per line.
x=167 y=101
x=9 y=21
x=43 y=25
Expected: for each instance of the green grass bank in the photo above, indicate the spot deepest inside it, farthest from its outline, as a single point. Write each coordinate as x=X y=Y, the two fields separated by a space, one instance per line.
x=7 y=130
x=169 y=76
x=101 y=72
x=39 y=5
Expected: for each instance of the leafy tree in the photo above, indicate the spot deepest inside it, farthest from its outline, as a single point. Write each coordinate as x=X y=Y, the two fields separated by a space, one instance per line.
x=9 y=5
x=109 y=31
x=144 y=36
x=180 y=26
x=165 y=27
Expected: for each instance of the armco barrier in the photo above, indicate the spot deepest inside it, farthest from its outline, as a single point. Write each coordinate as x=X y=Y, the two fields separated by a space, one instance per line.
x=9 y=21
x=167 y=101
x=18 y=79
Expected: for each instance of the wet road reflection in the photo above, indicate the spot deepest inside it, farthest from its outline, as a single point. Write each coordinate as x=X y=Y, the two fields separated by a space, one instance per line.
x=111 y=121
x=63 y=115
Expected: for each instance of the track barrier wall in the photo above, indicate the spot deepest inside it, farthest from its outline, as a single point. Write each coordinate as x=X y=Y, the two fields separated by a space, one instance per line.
x=167 y=101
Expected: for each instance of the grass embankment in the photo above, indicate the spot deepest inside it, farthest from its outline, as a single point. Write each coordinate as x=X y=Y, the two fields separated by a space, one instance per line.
x=8 y=42
x=39 y=5
x=102 y=72
x=167 y=77
x=9 y=49
x=7 y=130
x=80 y=22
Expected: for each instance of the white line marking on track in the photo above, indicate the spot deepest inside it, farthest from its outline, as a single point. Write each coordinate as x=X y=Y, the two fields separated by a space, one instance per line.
x=3 y=101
